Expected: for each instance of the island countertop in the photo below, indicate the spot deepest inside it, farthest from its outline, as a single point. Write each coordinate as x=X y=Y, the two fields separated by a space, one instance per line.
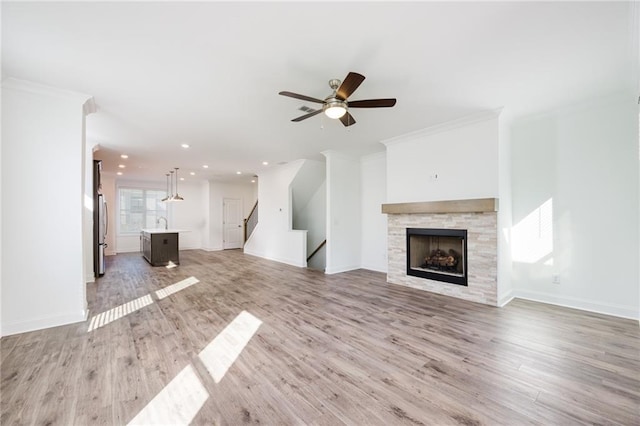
x=162 y=231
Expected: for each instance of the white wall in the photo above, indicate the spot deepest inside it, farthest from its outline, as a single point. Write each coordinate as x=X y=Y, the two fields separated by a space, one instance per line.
x=343 y=213
x=206 y=230
x=304 y=186
x=218 y=191
x=273 y=237
x=373 y=223
x=1 y=224
x=313 y=218
x=505 y=222
x=309 y=204
x=192 y=214
x=43 y=273
x=88 y=213
x=458 y=160
x=575 y=207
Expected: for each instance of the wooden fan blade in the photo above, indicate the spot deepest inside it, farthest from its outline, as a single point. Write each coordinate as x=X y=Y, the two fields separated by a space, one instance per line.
x=347 y=119
x=304 y=117
x=301 y=97
x=373 y=103
x=349 y=85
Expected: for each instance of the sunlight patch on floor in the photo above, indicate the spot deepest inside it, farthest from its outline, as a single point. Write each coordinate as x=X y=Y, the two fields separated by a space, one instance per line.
x=177 y=403
x=219 y=355
x=118 y=312
x=174 y=288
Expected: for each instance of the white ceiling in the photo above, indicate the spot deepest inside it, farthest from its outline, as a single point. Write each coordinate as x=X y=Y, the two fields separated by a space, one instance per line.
x=208 y=73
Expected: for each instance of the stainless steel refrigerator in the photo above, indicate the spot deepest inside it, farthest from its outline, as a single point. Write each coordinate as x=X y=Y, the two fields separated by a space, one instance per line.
x=100 y=222
x=103 y=227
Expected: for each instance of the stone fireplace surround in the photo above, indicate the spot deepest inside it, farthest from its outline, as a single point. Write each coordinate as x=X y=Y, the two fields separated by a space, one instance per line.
x=478 y=216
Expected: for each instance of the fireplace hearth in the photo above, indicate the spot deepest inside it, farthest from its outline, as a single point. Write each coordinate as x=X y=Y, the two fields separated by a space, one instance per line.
x=437 y=254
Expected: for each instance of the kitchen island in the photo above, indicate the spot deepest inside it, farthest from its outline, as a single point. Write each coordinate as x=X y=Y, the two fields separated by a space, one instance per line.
x=160 y=246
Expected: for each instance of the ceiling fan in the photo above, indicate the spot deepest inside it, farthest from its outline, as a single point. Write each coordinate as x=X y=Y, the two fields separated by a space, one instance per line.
x=336 y=105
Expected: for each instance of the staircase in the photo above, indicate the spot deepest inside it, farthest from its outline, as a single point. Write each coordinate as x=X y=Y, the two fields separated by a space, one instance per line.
x=250 y=222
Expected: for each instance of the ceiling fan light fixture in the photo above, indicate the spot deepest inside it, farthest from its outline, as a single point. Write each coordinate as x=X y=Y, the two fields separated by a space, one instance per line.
x=335 y=108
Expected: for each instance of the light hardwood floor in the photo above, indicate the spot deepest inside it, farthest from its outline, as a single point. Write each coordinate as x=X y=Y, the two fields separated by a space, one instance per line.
x=337 y=349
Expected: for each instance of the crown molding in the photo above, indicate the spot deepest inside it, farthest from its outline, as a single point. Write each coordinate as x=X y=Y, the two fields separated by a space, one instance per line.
x=446 y=126
x=619 y=96
x=89 y=107
x=339 y=154
x=44 y=90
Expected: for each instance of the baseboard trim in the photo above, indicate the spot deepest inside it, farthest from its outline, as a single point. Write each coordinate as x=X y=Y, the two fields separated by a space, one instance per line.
x=374 y=268
x=338 y=270
x=504 y=300
x=212 y=248
x=621 y=311
x=18 y=327
x=291 y=262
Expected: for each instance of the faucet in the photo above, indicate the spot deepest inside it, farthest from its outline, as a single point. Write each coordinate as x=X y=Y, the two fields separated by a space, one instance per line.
x=166 y=224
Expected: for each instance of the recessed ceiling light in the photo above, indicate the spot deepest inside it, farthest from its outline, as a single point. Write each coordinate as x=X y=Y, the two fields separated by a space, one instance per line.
x=265 y=163
x=192 y=173
x=125 y=156
x=238 y=173
x=205 y=166
x=122 y=166
x=185 y=145
x=119 y=173
x=253 y=181
x=181 y=178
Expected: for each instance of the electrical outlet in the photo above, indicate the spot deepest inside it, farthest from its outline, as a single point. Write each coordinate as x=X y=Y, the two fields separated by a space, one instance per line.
x=555 y=278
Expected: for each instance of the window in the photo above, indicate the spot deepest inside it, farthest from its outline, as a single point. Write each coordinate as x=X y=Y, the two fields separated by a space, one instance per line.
x=140 y=208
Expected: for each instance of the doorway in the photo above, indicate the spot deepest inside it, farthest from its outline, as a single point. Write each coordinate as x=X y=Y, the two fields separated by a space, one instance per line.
x=232 y=223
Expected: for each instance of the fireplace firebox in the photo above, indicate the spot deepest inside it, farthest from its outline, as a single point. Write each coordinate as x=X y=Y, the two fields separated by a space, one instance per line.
x=437 y=254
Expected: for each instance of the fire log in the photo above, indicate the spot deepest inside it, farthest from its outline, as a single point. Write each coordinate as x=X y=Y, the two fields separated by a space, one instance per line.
x=439 y=258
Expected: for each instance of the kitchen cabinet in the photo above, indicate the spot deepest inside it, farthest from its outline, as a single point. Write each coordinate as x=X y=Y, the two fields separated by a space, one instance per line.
x=160 y=246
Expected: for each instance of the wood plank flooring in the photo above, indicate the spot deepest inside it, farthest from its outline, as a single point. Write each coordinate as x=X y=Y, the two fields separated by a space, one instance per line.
x=336 y=349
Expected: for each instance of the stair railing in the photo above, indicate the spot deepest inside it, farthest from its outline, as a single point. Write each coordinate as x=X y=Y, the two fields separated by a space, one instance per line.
x=317 y=250
x=250 y=222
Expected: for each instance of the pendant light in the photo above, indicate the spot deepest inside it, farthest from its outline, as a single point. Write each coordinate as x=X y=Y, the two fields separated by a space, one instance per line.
x=177 y=197
x=170 y=187
x=167 y=197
